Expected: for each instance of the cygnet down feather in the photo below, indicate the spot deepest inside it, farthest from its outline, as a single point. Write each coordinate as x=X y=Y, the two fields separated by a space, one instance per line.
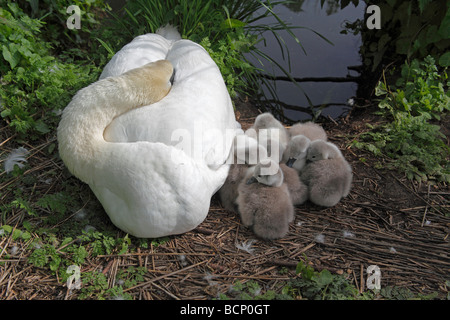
x=245 y=152
x=264 y=202
x=271 y=134
x=309 y=129
x=327 y=174
x=295 y=154
x=297 y=189
x=228 y=193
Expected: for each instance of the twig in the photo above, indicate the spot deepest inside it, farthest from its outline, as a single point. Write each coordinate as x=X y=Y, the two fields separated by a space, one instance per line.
x=417 y=195
x=204 y=230
x=149 y=282
x=281 y=263
x=167 y=292
x=361 y=287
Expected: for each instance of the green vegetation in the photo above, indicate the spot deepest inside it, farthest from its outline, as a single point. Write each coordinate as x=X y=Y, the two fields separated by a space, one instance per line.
x=321 y=285
x=411 y=29
x=48 y=251
x=412 y=139
x=310 y=284
x=36 y=84
x=415 y=33
x=251 y=290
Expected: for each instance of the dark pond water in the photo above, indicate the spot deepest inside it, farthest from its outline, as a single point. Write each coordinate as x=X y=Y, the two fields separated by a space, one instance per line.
x=321 y=60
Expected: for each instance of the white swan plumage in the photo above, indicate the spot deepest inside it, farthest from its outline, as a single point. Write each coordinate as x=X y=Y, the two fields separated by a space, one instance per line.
x=164 y=160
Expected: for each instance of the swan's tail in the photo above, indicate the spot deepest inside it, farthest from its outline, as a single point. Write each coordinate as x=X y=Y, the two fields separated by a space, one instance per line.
x=169 y=32
x=80 y=132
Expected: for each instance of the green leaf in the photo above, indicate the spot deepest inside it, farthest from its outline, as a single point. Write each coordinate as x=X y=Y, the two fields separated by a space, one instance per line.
x=324 y=278
x=445 y=26
x=230 y=23
x=41 y=127
x=444 y=60
x=7 y=228
x=11 y=58
x=306 y=271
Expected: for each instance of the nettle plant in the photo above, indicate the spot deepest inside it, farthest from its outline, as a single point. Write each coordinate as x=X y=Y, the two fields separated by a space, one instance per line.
x=35 y=85
x=413 y=140
x=421 y=90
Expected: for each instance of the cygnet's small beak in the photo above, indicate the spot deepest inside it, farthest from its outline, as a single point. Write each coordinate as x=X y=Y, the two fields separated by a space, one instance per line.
x=172 y=77
x=251 y=180
x=291 y=162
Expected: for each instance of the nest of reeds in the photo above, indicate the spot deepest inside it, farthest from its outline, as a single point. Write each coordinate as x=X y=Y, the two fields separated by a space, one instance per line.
x=388 y=221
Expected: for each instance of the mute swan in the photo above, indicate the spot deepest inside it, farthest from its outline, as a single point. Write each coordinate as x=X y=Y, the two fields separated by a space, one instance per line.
x=264 y=201
x=271 y=134
x=328 y=175
x=309 y=129
x=154 y=168
x=295 y=154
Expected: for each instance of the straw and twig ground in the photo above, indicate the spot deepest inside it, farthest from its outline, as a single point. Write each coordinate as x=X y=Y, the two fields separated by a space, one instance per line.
x=387 y=220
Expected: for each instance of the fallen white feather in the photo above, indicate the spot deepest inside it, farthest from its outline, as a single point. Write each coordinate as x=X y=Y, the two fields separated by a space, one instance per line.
x=348 y=234
x=246 y=246
x=209 y=277
x=320 y=238
x=16 y=157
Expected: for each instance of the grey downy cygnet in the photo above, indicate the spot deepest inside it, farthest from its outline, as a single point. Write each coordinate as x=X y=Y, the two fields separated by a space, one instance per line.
x=327 y=174
x=309 y=129
x=295 y=154
x=264 y=202
x=271 y=134
x=297 y=189
x=246 y=152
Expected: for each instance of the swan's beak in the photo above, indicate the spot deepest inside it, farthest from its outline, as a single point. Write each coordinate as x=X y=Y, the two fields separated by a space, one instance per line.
x=172 y=77
x=251 y=180
x=290 y=162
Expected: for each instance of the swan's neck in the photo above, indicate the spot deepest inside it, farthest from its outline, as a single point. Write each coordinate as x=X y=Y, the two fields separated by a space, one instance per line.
x=80 y=132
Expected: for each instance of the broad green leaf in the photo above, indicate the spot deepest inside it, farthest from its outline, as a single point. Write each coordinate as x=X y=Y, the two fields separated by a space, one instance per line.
x=11 y=58
x=232 y=24
x=444 y=60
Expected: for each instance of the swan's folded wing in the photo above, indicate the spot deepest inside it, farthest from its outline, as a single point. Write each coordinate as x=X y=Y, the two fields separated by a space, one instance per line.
x=142 y=50
x=154 y=190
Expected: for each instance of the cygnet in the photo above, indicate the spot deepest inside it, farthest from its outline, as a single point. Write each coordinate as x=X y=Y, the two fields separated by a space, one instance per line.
x=264 y=201
x=297 y=189
x=295 y=154
x=271 y=134
x=309 y=129
x=327 y=174
x=245 y=153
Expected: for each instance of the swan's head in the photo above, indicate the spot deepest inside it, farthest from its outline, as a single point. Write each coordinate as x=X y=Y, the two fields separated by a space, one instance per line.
x=267 y=172
x=152 y=81
x=297 y=149
x=322 y=150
